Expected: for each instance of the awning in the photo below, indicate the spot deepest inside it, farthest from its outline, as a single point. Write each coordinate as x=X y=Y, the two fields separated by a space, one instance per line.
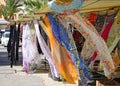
x=90 y=5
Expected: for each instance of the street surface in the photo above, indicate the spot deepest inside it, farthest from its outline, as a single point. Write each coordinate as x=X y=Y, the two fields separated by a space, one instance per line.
x=16 y=77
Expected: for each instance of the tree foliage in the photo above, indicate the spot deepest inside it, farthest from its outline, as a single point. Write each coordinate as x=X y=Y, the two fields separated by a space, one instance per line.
x=11 y=7
x=32 y=6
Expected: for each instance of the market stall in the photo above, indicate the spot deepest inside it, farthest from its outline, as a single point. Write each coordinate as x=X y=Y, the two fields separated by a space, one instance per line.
x=80 y=39
x=72 y=16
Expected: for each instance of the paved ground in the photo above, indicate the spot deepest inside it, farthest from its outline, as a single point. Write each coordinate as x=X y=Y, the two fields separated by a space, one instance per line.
x=16 y=77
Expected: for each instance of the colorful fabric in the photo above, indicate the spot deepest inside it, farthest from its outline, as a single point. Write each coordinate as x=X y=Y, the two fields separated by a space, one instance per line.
x=58 y=8
x=60 y=56
x=105 y=31
x=31 y=57
x=114 y=34
x=107 y=26
x=92 y=17
x=115 y=57
x=99 y=22
x=93 y=38
x=60 y=34
x=84 y=75
x=87 y=51
x=46 y=52
x=79 y=40
x=69 y=44
x=118 y=47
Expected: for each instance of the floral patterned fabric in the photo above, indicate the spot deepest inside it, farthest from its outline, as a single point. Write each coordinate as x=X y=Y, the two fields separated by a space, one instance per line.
x=105 y=30
x=93 y=38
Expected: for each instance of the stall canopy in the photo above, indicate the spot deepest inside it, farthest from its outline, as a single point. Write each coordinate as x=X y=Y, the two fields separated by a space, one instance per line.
x=90 y=5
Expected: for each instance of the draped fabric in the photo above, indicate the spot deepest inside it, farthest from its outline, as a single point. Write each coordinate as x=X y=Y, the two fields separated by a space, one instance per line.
x=11 y=44
x=88 y=51
x=82 y=69
x=79 y=39
x=93 y=38
x=114 y=34
x=31 y=57
x=84 y=76
x=58 y=8
x=87 y=31
x=45 y=49
x=107 y=25
x=76 y=36
x=99 y=22
x=38 y=47
x=60 y=34
x=105 y=30
x=60 y=55
x=66 y=40
x=118 y=46
x=17 y=42
x=43 y=34
x=93 y=17
x=105 y=33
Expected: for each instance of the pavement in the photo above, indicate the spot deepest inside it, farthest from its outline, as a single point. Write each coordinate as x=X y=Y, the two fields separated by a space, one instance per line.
x=16 y=77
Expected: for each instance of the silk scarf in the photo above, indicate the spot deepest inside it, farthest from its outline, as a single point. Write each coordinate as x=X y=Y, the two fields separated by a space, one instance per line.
x=105 y=31
x=93 y=38
x=31 y=57
x=46 y=51
x=60 y=56
x=65 y=38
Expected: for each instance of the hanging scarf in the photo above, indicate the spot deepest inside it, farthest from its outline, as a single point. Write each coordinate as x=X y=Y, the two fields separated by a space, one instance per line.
x=31 y=57
x=91 y=35
x=60 y=34
x=65 y=38
x=105 y=31
x=46 y=51
x=11 y=45
x=84 y=76
x=114 y=35
x=60 y=56
x=107 y=26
